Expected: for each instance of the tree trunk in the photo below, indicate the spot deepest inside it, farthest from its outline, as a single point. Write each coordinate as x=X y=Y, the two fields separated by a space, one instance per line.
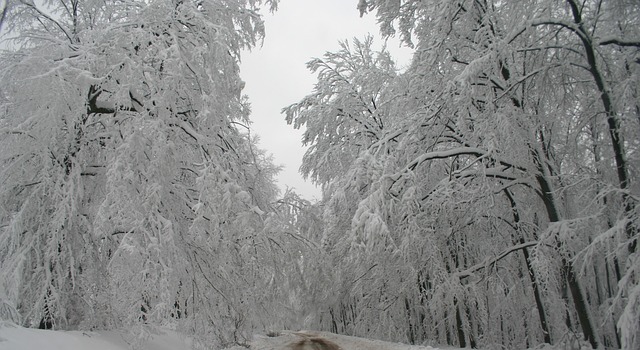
x=613 y=121
x=579 y=303
x=462 y=341
x=610 y=294
x=532 y=276
x=537 y=297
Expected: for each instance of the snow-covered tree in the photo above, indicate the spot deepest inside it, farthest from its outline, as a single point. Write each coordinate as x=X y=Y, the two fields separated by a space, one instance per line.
x=132 y=192
x=481 y=205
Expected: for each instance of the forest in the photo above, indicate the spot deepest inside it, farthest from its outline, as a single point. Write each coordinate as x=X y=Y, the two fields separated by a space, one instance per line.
x=486 y=196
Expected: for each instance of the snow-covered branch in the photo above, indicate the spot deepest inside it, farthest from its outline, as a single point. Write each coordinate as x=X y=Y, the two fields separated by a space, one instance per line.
x=618 y=41
x=487 y=263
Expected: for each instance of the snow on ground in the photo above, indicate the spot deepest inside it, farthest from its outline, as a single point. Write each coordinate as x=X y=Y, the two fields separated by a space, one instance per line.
x=13 y=337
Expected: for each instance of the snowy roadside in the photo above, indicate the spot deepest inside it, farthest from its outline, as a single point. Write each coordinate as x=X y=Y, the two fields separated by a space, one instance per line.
x=13 y=337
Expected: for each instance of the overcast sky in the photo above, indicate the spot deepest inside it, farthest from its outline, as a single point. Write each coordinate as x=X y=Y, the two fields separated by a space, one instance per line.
x=276 y=75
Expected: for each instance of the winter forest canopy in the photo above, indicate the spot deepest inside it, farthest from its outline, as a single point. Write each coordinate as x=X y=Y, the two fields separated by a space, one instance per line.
x=486 y=196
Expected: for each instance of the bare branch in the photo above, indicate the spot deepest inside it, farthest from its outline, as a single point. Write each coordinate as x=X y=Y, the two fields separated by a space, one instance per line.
x=60 y=26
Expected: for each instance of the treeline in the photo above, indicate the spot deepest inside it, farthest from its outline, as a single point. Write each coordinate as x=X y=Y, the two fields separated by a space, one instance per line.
x=132 y=194
x=487 y=194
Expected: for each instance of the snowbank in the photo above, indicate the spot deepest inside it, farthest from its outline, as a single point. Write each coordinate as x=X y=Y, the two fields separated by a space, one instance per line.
x=13 y=337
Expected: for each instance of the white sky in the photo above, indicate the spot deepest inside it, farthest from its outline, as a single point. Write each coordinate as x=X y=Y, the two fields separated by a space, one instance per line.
x=276 y=74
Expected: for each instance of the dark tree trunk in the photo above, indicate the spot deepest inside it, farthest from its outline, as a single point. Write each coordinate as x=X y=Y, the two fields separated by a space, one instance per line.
x=447 y=330
x=537 y=297
x=580 y=305
x=532 y=276
x=472 y=332
x=462 y=341
x=579 y=302
x=613 y=121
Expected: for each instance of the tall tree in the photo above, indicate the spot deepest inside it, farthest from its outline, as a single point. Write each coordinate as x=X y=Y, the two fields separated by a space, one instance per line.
x=484 y=155
x=132 y=192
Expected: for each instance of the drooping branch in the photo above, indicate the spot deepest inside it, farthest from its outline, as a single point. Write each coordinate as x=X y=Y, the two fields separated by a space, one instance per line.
x=31 y=5
x=459 y=151
x=492 y=261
